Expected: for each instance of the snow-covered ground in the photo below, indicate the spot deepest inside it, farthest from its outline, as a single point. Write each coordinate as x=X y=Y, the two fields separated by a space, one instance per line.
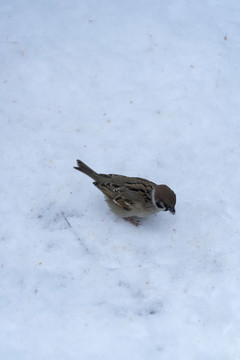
x=144 y=88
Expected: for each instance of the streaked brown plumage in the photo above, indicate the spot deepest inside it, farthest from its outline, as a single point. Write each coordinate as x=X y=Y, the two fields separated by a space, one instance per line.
x=131 y=196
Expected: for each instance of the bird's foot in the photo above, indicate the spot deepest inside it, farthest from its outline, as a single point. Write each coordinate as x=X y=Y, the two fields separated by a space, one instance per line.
x=132 y=221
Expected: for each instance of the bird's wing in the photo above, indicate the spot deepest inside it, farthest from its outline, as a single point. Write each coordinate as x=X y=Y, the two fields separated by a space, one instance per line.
x=127 y=196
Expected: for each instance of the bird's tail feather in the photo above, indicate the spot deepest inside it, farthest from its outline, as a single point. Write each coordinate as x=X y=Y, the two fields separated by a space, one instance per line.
x=86 y=170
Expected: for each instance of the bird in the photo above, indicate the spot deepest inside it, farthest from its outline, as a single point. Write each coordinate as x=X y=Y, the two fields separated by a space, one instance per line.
x=130 y=197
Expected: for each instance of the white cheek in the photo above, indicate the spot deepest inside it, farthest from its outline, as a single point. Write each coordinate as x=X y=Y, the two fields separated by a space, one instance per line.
x=154 y=203
x=153 y=197
x=153 y=200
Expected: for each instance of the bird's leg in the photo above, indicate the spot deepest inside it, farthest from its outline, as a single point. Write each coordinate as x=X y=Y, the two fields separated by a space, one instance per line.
x=132 y=221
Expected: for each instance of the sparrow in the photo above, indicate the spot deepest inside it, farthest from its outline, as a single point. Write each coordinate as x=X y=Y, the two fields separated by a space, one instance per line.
x=131 y=196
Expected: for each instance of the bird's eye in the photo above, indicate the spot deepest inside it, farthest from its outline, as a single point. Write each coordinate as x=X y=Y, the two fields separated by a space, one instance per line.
x=160 y=204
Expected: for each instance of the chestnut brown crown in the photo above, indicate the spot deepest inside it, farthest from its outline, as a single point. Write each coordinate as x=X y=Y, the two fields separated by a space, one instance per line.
x=165 y=198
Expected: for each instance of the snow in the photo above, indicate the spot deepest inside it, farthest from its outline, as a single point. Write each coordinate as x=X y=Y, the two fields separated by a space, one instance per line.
x=140 y=88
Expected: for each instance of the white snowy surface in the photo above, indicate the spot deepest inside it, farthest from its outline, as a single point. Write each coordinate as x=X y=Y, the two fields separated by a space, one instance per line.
x=144 y=88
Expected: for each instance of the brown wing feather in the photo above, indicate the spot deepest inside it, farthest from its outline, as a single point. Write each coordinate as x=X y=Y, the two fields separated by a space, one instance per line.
x=106 y=189
x=123 y=203
x=120 y=195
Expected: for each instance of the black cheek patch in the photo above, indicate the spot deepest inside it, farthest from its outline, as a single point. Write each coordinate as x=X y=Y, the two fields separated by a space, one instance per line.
x=159 y=205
